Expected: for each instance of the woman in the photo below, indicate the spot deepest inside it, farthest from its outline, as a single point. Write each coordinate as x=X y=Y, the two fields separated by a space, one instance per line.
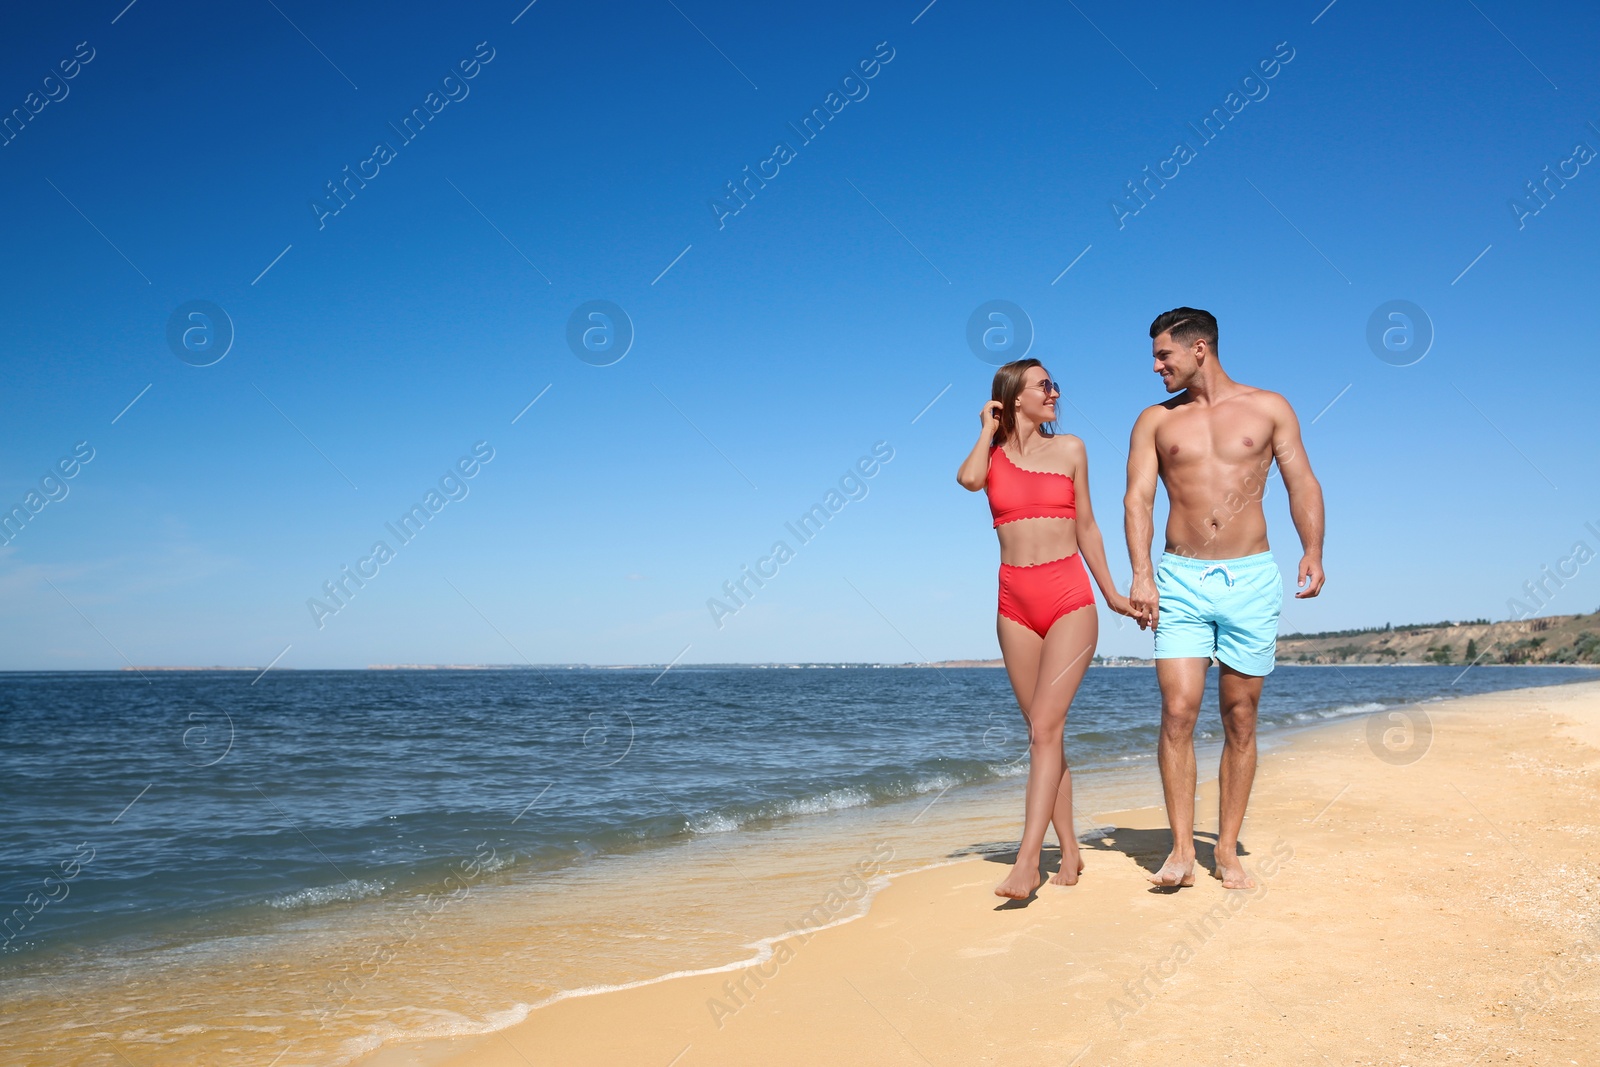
x=1038 y=486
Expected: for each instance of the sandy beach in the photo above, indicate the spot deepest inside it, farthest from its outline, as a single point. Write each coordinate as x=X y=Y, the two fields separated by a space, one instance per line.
x=1427 y=895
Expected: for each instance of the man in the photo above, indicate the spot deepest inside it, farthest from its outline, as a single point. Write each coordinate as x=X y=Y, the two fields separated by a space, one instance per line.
x=1216 y=590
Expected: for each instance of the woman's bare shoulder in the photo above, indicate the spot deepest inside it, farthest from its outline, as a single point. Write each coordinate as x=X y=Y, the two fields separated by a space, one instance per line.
x=1070 y=443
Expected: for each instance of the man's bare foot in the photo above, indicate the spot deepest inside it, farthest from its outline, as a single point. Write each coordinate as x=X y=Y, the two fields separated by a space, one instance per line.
x=1174 y=872
x=1020 y=883
x=1232 y=873
x=1068 y=874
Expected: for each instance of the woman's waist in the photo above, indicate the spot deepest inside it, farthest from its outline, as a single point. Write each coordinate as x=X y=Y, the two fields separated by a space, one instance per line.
x=1029 y=542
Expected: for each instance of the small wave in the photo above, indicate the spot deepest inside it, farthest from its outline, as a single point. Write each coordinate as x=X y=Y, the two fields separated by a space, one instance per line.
x=721 y=822
x=497 y=863
x=886 y=787
x=354 y=889
x=833 y=800
x=1321 y=714
x=714 y=823
x=929 y=783
x=1356 y=709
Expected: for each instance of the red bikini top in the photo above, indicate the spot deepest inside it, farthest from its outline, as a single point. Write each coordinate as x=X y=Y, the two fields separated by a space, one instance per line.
x=1015 y=493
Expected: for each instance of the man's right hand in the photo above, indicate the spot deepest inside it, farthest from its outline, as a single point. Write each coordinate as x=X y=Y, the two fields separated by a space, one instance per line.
x=1146 y=604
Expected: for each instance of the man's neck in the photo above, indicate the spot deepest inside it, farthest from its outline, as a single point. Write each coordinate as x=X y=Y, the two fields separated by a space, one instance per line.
x=1211 y=384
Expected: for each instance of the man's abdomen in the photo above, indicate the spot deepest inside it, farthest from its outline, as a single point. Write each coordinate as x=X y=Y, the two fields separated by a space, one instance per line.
x=1234 y=527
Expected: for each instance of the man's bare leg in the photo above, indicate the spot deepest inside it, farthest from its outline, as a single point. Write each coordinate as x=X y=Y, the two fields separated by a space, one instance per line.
x=1239 y=696
x=1183 y=684
x=1062 y=658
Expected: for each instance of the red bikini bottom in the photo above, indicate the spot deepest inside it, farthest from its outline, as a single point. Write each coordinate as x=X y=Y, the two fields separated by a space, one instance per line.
x=1037 y=596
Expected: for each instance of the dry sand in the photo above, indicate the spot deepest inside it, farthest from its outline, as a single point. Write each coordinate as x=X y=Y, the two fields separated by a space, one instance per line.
x=1432 y=910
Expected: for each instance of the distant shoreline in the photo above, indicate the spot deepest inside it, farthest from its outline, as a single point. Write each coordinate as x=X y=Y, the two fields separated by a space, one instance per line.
x=1120 y=661
x=1540 y=641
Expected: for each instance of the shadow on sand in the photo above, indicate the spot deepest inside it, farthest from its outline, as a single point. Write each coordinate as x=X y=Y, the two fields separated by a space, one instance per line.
x=1147 y=848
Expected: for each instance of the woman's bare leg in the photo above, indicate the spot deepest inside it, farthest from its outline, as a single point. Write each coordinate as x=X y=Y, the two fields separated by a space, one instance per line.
x=1021 y=648
x=1077 y=646
x=1060 y=660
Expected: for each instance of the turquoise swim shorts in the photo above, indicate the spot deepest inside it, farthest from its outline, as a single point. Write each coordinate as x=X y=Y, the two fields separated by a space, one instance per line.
x=1225 y=609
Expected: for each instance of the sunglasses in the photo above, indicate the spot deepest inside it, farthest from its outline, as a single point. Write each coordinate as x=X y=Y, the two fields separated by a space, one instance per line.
x=1048 y=386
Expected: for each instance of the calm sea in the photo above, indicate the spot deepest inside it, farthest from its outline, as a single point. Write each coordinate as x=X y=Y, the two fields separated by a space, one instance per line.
x=200 y=793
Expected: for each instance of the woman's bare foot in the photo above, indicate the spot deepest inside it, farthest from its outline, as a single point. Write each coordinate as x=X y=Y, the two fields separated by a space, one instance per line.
x=1071 y=867
x=1232 y=872
x=1174 y=872
x=1021 y=883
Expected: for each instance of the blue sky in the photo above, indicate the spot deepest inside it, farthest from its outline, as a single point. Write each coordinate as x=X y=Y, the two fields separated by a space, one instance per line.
x=773 y=348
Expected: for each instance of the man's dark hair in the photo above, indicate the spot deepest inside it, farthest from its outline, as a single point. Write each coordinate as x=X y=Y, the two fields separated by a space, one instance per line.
x=1186 y=325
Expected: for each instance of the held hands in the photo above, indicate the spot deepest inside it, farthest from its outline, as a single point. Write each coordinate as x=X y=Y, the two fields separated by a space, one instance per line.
x=1311 y=577
x=1121 y=605
x=1143 y=602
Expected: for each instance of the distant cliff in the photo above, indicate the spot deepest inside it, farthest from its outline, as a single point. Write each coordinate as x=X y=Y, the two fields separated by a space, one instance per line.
x=1550 y=639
